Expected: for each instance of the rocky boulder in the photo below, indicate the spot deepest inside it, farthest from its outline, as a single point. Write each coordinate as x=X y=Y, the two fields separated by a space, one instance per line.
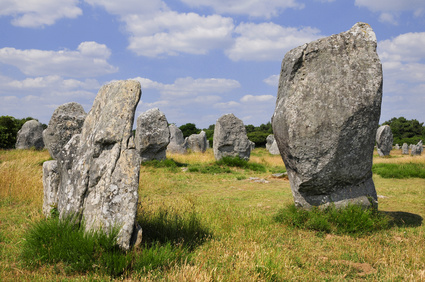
x=384 y=140
x=177 y=141
x=152 y=135
x=66 y=121
x=230 y=138
x=30 y=136
x=99 y=168
x=51 y=182
x=327 y=111
x=197 y=142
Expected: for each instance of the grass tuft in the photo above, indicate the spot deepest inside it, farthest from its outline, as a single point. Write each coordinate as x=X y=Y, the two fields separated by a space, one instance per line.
x=402 y=170
x=351 y=220
x=53 y=241
x=170 y=164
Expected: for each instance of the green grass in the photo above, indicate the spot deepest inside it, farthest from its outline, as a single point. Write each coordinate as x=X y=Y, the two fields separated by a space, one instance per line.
x=401 y=170
x=241 y=163
x=53 y=241
x=351 y=220
x=170 y=164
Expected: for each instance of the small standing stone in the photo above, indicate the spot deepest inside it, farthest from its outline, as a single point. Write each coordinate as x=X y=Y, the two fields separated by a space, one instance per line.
x=51 y=181
x=417 y=149
x=405 y=149
x=30 y=136
x=177 y=141
x=152 y=135
x=384 y=140
x=230 y=138
x=66 y=121
x=197 y=142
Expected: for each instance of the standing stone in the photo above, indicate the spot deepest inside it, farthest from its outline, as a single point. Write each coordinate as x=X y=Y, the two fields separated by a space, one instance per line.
x=417 y=149
x=397 y=147
x=405 y=149
x=30 y=136
x=252 y=145
x=152 y=135
x=230 y=138
x=327 y=111
x=271 y=145
x=51 y=181
x=66 y=121
x=99 y=168
x=197 y=142
x=177 y=141
x=384 y=140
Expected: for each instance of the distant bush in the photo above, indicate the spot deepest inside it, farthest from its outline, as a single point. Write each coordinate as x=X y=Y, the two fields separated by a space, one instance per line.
x=406 y=131
x=402 y=170
x=351 y=220
x=241 y=163
x=171 y=164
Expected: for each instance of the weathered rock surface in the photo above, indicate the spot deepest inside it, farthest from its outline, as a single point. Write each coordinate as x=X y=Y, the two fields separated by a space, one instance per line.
x=197 y=142
x=30 y=136
x=99 y=168
x=152 y=135
x=230 y=138
x=384 y=140
x=66 y=121
x=51 y=181
x=177 y=141
x=269 y=141
x=405 y=149
x=327 y=111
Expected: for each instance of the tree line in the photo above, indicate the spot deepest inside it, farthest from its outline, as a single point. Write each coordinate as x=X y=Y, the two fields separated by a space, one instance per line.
x=404 y=131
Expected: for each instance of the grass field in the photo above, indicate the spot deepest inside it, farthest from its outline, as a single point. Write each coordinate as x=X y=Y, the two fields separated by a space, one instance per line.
x=232 y=211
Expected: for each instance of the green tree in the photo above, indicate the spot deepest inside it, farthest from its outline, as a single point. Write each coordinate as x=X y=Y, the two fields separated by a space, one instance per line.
x=406 y=131
x=189 y=129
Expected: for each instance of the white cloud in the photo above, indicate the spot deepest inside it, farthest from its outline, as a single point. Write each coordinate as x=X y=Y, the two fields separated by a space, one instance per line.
x=390 y=9
x=127 y=7
x=268 y=41
x=257 y=99
x=89 y=60
x=32 y=13
x=404 y=75
x=272 y=80
x=40 y=96
x=227 y=105
x=253 y=8
x=172 y=33
x=189 y=86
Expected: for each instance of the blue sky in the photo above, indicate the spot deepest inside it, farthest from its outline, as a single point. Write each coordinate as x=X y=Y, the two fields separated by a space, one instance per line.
x=196 y=59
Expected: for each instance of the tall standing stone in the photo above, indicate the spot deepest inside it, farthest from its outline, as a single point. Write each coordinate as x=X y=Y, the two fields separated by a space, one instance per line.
x=177 y=142
x=66 y=121
x=30 y=136
x=327 y=111
x=99 y=168
x=230 y=138
x=152 y=135
x=384 y=140
x=405 y=149
x=197 y=142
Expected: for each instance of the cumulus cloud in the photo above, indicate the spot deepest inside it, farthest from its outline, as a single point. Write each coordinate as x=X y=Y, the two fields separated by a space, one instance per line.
x=40 y=96
x=30 y=13
x=89 y=60
x=272 y=80
x=391 y=9
x=189 y=86
x=172 y=33
x=257 y=99
x=127 y=7
x=253 y=8
x=268 y=41
x=404 y=73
